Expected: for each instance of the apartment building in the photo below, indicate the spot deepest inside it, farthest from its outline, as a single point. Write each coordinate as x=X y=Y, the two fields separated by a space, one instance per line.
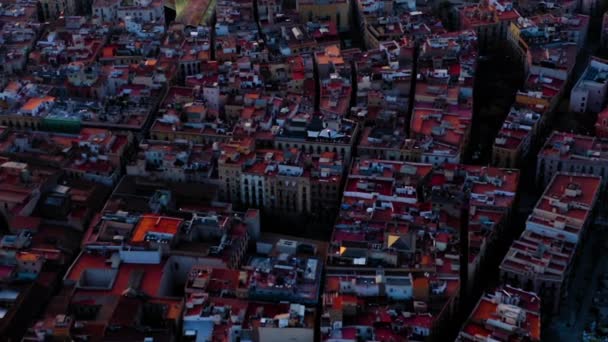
x=589 y=92
x=542 y=258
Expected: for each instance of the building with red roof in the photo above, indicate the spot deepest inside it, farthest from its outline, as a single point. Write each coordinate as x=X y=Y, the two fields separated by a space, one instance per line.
x=384 y=81
x=403 y=217
x=490 y=19
x=566 y=207
x=93 y=154
x=413 y=306
x=173 y=161
x=573 y=154
x=281 y=179
x=507 y=314
x=115 y=298
x=443 y=101
x=33 y=258
x=538 y=262
x=552 y=54
x=245 y=319
x=515 y=137
x=541 y=258
x=21 y=187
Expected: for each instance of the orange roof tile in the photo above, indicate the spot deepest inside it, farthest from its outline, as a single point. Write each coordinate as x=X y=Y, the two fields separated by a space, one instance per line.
x=157 y=224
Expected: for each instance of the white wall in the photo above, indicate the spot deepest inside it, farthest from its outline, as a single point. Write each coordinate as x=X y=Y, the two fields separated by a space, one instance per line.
x=140 y=257
x=551 y=232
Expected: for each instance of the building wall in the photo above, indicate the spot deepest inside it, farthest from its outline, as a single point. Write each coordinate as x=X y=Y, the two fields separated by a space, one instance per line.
x=589 y=6
x=142 y=13
x=140 y=257
x=491 y=35
x=338 y=13
x=439 y=159
x=230 y=185
x=590 y=96
x=325 y=196
x=212 y=95
x=284 y=334
x=550 y=290
x=316 y=148
x=549 y=72
x=108 y=179
x=547 y=167
x=106 y=13
x=604 y=34
x=30 y=204
x=399 y=292
x=291 y=194
x=52 y=9
x=253 y=190
x=30 y=266
x=21 y=121
x=502 y=157
x=551 y=232
x=513 y=37
x=176 y=271
x=536 y=102
x=371 y=152
x=578 y=100
x=601 y=127
x=195 y=138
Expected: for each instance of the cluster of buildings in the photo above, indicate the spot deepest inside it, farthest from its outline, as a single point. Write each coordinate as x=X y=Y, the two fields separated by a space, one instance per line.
x=491 y=20
x=547 y=45
x=156 y=261
x=93 y=154
x=84 y=75
x=19 y=28
x=508 y=313
x=138 y=158
x=443 y=103
x=395 y=260
x=541 y=259
x=46 y=211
